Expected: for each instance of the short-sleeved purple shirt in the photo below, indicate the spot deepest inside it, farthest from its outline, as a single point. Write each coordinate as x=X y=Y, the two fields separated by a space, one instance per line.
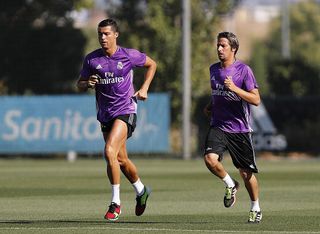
x=231 y=113
x=114 y=91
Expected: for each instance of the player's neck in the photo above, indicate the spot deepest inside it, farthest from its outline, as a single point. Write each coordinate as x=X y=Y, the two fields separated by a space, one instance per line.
x=111 y=51
x=227 y=63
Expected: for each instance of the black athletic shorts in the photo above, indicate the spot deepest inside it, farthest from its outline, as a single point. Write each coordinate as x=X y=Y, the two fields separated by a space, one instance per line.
x=129 y=119
x=239 y=146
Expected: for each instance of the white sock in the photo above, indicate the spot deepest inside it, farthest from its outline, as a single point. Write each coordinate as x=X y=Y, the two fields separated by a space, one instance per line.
x=115 y=189
x=138 y=187
x=228 y=181
x=255 y=205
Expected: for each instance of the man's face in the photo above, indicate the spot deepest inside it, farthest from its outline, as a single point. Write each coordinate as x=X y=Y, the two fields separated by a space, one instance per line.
x=224 y=50
x=107 y=37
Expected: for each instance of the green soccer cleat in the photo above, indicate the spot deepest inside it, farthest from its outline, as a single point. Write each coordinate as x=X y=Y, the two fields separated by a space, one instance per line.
x=230 y=195
x=255 y=216
x=142 y=201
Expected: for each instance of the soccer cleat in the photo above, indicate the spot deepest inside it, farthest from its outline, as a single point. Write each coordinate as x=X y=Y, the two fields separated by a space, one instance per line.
x=113 y=212
x=230 y=195
x=255 y=216
x=142 y=201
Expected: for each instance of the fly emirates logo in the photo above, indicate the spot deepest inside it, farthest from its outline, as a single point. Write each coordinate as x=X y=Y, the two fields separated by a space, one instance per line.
x=111 y=78
x=220 y=91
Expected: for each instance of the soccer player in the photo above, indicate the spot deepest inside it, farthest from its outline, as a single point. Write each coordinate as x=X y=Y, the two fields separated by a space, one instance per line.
x=234 y=89
x=109 y=70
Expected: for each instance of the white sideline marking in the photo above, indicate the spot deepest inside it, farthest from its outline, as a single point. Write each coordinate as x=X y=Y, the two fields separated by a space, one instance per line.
x=151 y=229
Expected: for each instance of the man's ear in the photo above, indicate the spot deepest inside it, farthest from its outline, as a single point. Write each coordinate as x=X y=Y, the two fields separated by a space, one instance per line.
x=116 y=34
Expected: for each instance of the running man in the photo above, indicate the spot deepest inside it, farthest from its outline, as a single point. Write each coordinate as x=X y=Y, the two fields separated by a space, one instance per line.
x=234 y=88
x=109 y=70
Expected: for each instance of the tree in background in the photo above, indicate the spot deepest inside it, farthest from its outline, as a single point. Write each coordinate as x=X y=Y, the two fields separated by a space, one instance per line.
x=293 y=84
x=41 y=51
x=299 y=75
x=259 y=65
x=155 y=27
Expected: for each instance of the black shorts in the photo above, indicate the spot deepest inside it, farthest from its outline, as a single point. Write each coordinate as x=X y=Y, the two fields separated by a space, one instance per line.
x=239 y=146
x=129 y=119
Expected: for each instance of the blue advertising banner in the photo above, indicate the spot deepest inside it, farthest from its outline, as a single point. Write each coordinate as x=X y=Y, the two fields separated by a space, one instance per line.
x=53 y=124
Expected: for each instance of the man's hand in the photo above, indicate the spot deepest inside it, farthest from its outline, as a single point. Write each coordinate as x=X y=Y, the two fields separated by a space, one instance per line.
x=252 y=96
x=141 y=94
x=93 y=80
x=228 y=83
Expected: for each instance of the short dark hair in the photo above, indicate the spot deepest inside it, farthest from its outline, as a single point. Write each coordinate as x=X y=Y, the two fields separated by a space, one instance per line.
x=109 y=22
x=232 y=38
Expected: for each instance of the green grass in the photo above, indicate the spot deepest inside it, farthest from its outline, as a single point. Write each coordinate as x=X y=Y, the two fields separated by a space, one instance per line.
x=54 y=196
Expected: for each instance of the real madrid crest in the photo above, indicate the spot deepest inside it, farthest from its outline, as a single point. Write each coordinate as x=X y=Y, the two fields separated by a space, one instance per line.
x=119 y=66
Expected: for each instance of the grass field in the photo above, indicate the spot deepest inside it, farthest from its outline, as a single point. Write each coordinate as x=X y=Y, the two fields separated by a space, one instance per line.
x=54 y=196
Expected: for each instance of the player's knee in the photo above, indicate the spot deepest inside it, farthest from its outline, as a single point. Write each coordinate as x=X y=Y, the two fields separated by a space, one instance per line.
x=110 y=153
x=211 y=160
x=245 y=174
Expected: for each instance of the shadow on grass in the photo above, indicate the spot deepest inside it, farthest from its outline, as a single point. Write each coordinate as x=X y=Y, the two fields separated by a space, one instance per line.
x=90 y=222
x=162 y=221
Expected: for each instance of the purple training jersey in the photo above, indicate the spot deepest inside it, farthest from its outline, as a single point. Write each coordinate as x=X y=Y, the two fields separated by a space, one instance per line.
x=231 y=113
x=114 y=91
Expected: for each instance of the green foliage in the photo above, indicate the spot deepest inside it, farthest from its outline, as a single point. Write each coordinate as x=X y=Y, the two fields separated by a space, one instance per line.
x=80 y=4
x=41 y=51
x=203 y=47
x=92 y=42
x=50 y=50
x=260 y=67
x=294 y=83
x=299 y=75
x=156 y=31
x=305 y=28
x=155 y=27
